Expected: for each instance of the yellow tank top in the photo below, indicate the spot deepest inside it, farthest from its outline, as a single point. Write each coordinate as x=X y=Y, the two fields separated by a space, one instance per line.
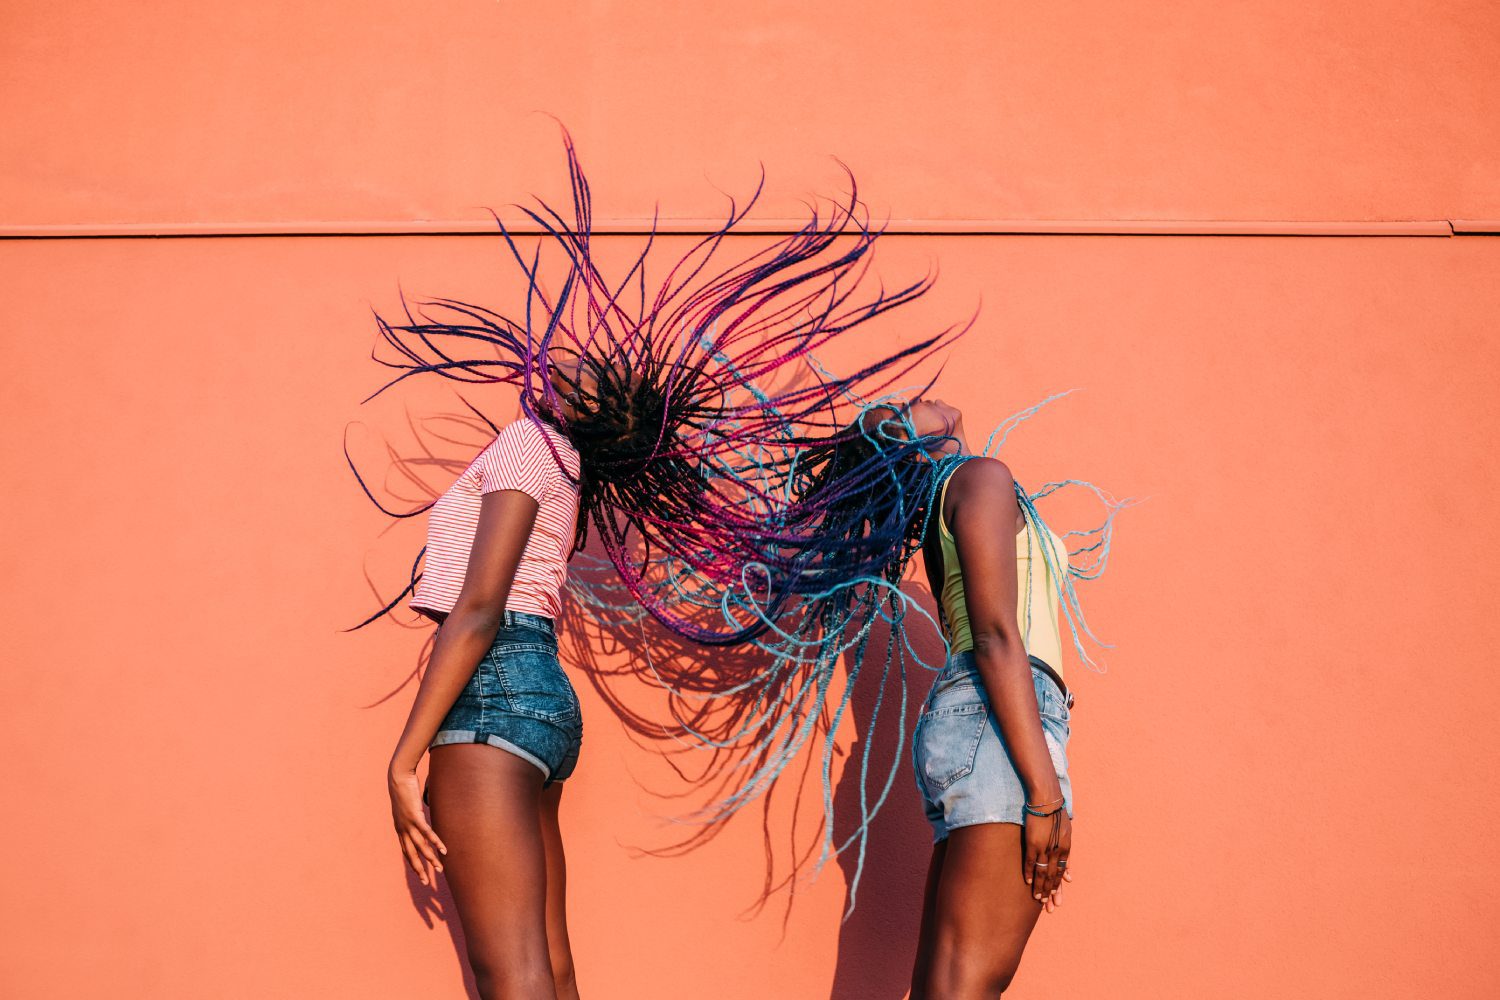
x=1036 y=598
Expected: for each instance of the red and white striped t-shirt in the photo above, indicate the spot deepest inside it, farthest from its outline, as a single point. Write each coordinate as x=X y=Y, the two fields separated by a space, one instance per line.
x=518 y=459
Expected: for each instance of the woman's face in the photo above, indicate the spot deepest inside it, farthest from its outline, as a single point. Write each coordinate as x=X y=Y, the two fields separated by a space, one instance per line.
x=933 y=417
x=571 y=380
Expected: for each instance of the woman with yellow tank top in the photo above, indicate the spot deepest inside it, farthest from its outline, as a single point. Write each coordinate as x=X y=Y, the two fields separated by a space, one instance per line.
x=989 y=750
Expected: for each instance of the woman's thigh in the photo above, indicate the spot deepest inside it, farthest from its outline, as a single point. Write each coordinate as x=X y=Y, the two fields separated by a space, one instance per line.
x=486 y=807
x=983 y=912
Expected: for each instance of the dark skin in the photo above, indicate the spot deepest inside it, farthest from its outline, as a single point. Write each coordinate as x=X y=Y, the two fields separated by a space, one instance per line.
x=500 y=846
x=988 y=883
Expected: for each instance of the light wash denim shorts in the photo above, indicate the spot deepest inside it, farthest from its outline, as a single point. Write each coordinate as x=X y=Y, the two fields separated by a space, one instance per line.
x=964 y=771
x=520 y=700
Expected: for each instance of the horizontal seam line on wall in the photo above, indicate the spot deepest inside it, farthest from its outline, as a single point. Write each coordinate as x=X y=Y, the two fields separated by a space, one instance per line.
x=767 y=227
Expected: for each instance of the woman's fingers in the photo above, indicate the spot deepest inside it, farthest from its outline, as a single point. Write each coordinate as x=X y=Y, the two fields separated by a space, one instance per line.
x=412 y=857
x=1055 y=896
x=1054 y=871
x=1048 y=874
x=1039 y=872
x=1043 y=885
x=1062 y=872
x=432 y=837
x=1052 y=886
x=425 y=841
x=418 y=841
x=1064 y=850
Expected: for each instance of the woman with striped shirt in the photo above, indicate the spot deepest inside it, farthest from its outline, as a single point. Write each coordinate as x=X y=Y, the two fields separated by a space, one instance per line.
x=498 y=546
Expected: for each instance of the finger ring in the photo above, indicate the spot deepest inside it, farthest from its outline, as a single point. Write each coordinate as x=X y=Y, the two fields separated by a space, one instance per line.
x=1062 y=864
x=1039 y=865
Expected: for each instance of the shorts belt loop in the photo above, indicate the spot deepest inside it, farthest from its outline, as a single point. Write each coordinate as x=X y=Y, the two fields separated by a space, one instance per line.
x=508 y=618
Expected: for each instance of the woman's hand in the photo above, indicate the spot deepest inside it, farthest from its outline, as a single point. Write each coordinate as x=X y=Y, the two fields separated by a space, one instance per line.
x=418 y=841
x=1044 y=859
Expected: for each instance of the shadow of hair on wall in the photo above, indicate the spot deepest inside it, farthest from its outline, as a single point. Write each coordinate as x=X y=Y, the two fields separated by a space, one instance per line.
x=667 y=693
x=878 y=942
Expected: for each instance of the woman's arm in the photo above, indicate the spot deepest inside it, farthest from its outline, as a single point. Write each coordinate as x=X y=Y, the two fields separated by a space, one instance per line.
x=983 y=518
x=505 y=521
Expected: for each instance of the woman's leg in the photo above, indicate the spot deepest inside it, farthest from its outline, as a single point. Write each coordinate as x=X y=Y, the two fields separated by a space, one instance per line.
x=982 y=915
x=486 y=805
x=558 y=947
x=921 y=968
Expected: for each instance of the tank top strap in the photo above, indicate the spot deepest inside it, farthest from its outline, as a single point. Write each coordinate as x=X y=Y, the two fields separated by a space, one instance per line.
x=942 y=517
x=942 y=500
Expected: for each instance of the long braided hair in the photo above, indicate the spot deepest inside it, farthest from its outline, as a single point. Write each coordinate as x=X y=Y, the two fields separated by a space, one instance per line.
x=697 y=407
x=739 y=494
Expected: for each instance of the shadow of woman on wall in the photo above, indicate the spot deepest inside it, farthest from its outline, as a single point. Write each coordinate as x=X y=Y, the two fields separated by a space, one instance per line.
x=434 y=904
x=878 y=940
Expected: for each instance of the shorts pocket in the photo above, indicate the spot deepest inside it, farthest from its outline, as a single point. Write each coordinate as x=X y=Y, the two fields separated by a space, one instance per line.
x=534 y=683
x=948 y=743
x=1050 y=701
x=1053 y=707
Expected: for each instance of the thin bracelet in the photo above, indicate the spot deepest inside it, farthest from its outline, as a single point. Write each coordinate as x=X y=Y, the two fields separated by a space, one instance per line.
x=1042 y=810
x=1055 y=834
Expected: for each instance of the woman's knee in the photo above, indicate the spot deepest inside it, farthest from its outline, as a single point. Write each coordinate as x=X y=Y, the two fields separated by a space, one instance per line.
x=564 y=976
x=970 y=973
x=496 y=980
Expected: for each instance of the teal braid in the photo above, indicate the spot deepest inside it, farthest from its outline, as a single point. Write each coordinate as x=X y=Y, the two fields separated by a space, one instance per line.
x=801 y=643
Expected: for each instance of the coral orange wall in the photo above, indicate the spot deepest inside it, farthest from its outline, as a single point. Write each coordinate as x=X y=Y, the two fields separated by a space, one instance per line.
x=1342 y=109
x=1284 y=778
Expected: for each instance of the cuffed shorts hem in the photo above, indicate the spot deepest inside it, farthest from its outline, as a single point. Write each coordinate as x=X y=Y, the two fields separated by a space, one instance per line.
x=519 y=700
x=941 y=829
x=468 y=736
x=940 y=834
x=551 y=747
x=964 y=770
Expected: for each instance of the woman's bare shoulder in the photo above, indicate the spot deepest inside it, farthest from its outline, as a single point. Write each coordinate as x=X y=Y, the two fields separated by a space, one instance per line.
x=983 y=477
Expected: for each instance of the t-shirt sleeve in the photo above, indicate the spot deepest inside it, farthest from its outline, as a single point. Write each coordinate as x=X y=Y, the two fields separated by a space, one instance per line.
x=518 y=459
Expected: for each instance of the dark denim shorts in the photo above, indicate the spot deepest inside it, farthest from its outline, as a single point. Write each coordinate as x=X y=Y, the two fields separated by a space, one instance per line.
x=520 y=700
